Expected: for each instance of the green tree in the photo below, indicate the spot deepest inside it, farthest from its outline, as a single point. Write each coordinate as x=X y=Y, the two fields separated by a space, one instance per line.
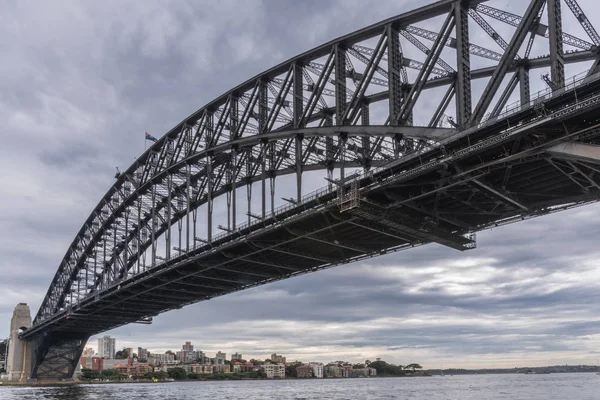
x=385 y=369
x=358 y=366
x=193 y=375
x=290 y=371
x=122 y=354
x=178 y=374
x=88 y=374
x=160 y=375
x=112 y=374
x=413 y=367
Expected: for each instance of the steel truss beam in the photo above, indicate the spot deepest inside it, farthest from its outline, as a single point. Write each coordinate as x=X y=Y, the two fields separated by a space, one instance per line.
x=575 y=151
x=507 y=59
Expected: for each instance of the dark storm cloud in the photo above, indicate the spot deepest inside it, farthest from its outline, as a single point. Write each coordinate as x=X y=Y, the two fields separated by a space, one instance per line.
x=80 y=84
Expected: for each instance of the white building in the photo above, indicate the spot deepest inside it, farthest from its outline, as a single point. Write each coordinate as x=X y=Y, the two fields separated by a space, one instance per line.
x=106 y=347
x=317 y=370
x=236 y=356
x=162 y=359
x=220 y=358
x=274 y=370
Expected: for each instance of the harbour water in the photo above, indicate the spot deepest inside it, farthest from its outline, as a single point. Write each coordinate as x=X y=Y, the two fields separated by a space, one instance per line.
x=577 y=386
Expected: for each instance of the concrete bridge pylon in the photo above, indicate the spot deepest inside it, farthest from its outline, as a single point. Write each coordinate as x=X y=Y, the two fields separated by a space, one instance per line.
x=18 y=363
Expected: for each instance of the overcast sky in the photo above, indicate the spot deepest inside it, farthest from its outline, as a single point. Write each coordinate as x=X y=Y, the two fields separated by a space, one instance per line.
x=80 y=82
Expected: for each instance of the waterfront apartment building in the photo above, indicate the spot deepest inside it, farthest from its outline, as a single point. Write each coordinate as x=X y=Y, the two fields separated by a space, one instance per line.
x=277 y=358
x=241 y=367
x=106 y=347
x=131 y=369
x=304 y=371
x=236 y=357
x=317 y=370
x=333 y=371
x=274 y=370
x=220 y=358
x=142 y=354
x=162 y=359
x=203 y=369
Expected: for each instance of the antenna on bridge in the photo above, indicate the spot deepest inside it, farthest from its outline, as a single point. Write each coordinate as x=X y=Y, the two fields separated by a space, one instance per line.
x=451 y=122
x=197 y=239
x=221 y=227
x=118 y=173
x=254 y=216
x=548 y=81
x=290 y=200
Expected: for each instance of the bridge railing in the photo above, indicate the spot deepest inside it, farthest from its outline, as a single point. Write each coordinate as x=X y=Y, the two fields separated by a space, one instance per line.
x=542 y=96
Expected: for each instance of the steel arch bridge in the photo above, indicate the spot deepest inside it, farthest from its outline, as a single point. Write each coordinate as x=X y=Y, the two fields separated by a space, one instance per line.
x=370 y=109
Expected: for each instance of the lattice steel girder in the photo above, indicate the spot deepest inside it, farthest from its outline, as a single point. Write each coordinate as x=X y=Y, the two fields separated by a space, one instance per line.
x=584 y=21
x=542 y=30
x=487 y=28
x=403 y=225
x=451 y=42
x=463 y=79
x=557 y=61
x=575 y=151
x=436 y=50
x=507 y=59
x=496 y=193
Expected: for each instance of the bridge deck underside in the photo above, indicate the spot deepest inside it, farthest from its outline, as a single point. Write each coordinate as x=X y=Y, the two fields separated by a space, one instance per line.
x=511 y=179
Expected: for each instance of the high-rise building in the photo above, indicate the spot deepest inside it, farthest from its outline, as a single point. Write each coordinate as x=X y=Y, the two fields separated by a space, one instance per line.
x=277 y=358
x=106 y=347
x=188 y=355
x=220 y=358
x=236 y=356
x=142 y=354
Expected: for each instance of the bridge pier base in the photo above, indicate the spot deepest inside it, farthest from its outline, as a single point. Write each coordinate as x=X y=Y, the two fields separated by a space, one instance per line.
x=18 y=363
x=56 y=359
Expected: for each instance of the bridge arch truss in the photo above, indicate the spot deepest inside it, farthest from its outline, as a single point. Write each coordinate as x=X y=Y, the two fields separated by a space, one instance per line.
x=357 y=103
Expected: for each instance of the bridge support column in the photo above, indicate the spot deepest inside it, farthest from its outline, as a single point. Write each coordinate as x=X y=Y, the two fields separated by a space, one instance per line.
x=56 y=357
x=18 y=363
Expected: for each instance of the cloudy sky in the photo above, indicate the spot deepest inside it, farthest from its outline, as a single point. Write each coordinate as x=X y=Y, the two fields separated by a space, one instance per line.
x=80 y=82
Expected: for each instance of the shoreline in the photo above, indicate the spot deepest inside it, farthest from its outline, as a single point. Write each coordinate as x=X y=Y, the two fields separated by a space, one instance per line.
x=140 y=381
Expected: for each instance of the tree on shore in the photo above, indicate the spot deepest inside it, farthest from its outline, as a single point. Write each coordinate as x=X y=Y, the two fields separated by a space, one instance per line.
x=178 y=374
x=385 y=369
x=414 y=367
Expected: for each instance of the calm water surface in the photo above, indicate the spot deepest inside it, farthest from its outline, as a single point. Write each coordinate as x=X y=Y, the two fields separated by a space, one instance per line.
x=476 y=387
